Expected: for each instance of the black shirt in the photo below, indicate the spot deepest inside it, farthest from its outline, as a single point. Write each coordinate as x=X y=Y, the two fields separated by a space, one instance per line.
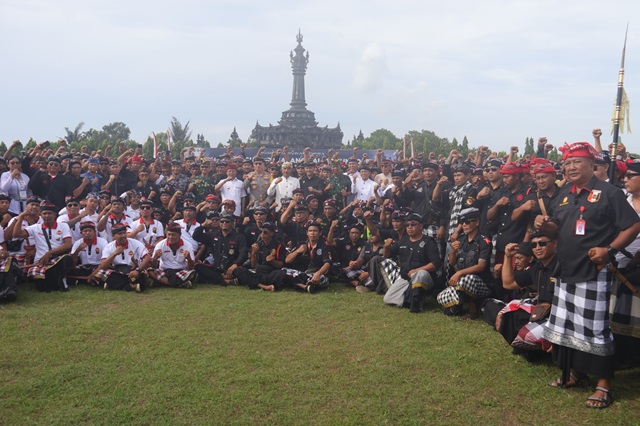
x=510 y=231
x=265 y=250
x=226 y=250
x=606 y=213
x=313 y=259
x=414 y=254
x=539 y=279
x=347 y=251
x=472 y=251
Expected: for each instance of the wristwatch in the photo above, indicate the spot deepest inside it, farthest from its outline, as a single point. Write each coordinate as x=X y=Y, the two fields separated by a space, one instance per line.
x=612 y=252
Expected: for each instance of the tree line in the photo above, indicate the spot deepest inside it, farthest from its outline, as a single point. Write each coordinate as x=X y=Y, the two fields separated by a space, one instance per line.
x=117 y=133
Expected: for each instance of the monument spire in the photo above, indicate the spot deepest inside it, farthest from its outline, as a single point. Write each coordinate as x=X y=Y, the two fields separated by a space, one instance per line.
x=299 y=63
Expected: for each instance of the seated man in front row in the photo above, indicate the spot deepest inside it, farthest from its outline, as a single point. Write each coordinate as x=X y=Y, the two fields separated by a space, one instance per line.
x=173 y=259
x=53 y=242
x=124 y=261
x=469 y=258
x=417 y=258
x=309 y=262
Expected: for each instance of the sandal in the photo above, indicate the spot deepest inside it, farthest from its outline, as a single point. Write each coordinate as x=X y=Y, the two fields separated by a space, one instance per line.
x=603 y=402
x=574 y=381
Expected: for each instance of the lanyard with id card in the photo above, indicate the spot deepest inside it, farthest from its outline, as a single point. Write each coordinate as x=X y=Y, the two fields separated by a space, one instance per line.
x=581 y=224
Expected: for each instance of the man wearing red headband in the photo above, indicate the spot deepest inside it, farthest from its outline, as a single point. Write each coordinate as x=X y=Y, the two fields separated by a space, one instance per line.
x=593 y=221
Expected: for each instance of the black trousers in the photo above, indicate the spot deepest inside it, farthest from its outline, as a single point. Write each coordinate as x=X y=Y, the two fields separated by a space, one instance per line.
x=252 y=279
x=209 y=274
x=53 y=277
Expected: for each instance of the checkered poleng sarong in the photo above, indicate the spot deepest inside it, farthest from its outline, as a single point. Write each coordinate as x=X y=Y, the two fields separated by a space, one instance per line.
x=580 y=316
x=625 y=310
x=471 y=285
x=457 y=197
x=38 y=272
x=390 y=272
x=306 y=276
x=182 y=275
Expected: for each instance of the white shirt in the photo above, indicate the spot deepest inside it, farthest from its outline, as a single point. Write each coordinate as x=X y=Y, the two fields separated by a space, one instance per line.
x=187 y=232
x=17 y=189
x=234 y=190
x=363 y=190
x=151 y=233
x=282 y=189
x=134 y=251
x=106 y=234
x=27 y=241
x=92 y=254
x=171 y=260
x=134 y=214
x=58 y=233
x=75 y=229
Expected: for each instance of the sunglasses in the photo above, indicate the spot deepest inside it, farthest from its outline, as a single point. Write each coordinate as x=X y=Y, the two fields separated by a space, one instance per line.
x=413 y=223
x=73 y=205
x=260 y=214
x=467 y=221
x=225 y=221
x=265 y=231
x=146 y=208
x=540 y=244
x=491 y=169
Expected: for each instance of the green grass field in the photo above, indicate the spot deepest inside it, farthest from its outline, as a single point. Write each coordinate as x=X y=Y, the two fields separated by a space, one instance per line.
x=217 y=355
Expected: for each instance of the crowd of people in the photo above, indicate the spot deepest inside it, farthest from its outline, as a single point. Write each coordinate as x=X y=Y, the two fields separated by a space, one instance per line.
x=530 y=245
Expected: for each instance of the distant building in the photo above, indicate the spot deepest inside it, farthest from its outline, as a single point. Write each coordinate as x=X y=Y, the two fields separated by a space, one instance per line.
x=298 y=127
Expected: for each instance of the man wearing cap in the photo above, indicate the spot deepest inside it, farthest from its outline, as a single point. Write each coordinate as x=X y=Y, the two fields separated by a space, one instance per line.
x=489 y=196
x=92 y=175
x=311 y=183
x=295 y=230
x=73 y=212
x=462 y=195
x=594 y=222
x=228 y=248
x=536 y=284
x=418 y=195
x=210 y=204
x=173 y=260
x=53 y=242
x=330 y=213
x=283 y=186
x=266 y=261
x=42 y=182
x=118 y=182
x=177 y=181
x=257 y=182
x=23 y=250
x=112 y=216
x=417 y=259
x=469 y=264
x=253 y=229
x=232 y=188
x=75 y=185
x=146 y=229
x=347 y=250
x=189 y=224
x=123 y=263
x=87 y=252
x=309 y=263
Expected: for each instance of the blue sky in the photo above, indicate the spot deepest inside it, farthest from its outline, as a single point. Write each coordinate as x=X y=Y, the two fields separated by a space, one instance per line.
x=495 y=71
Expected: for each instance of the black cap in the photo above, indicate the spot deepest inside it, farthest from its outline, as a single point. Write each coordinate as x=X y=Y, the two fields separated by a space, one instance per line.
x=269 y=226
x=469 y=214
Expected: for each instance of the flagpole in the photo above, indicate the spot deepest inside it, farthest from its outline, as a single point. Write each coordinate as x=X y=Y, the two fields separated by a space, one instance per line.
x=155 y=145
x=616 y=120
